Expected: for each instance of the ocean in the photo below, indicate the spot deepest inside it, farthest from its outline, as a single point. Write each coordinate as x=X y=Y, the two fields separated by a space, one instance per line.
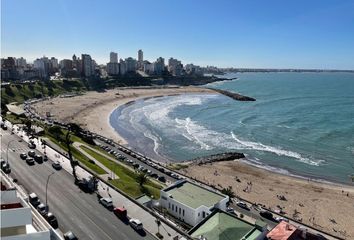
x=301 y=124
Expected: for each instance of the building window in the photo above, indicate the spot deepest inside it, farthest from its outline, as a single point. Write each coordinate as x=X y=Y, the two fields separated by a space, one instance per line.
x=176 y=209
x=179 y=210
x=173 y=207
x=169 y=205
x=198 y=214
x=183 y=212
x=203 y=214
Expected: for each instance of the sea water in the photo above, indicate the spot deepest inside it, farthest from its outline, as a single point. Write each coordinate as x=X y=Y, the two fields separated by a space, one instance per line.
x=301 y=123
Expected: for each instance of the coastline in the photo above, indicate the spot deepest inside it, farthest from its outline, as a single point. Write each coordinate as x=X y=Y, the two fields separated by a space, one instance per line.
x=312 y=199
x=93 y=110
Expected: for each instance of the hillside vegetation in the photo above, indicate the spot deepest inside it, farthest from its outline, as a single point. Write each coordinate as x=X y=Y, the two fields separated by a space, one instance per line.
x=16 y=92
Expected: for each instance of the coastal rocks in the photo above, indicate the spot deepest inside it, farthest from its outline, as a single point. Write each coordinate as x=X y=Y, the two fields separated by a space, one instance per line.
x=227 y=156
x=233 y=95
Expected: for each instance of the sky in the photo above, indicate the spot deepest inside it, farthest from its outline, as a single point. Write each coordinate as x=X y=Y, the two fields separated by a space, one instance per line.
x=224 y=33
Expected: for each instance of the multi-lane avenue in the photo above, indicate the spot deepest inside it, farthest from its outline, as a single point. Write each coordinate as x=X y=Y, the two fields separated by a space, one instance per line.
x=75 y=210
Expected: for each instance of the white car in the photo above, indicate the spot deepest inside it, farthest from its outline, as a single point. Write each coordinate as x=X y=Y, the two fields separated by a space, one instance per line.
x=107 y=203
x=136 y=224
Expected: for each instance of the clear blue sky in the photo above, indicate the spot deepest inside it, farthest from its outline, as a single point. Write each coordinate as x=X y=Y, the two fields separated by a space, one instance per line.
x=249 y=33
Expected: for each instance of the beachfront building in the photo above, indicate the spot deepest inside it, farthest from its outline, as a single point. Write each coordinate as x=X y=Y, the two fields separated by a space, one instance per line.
x=175 y=67
x=220 y=225
x=130 y=64
x=191 y=203
x=87 y=68
x=19 y=220
x=113 y=65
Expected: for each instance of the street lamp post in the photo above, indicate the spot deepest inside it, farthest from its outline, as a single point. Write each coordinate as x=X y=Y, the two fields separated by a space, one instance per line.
x=46 y=190
x=7 y=151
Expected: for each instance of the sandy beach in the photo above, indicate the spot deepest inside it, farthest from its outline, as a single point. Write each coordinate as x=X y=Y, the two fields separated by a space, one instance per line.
x=92 y=110
x=323 y=206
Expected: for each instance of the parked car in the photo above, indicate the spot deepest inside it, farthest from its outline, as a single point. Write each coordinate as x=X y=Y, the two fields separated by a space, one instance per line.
x=70 y=236
x=38 y=158
x=161 y=179
x=23 y=156
x=120 y=212
x=279 y=219
x=107 y=203
x=30 y=161
x=42 y=209
x=56 y=165
x=154 y=175
x=136 y=224
x=266 y=215
x=32 y=145
x=31 y=153
x=5 y=167
x=34 y=200
x=243 y=205
x=51 y=219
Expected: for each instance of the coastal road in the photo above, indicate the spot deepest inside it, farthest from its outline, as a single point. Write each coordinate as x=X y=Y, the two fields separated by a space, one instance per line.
x=141 y=163
x=75 y=210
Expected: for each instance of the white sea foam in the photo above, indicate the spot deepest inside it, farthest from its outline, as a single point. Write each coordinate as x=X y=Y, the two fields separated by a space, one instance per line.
x=280 y=152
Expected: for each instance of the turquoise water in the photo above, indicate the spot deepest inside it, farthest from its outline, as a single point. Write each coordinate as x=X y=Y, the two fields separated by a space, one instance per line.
x=301 y=123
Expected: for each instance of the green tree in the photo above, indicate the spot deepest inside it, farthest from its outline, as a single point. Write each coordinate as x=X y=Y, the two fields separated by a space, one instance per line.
x=142 y=179
x=229 y=192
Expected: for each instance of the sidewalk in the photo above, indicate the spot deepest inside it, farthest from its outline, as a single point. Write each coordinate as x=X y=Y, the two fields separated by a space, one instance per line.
x=134 y=210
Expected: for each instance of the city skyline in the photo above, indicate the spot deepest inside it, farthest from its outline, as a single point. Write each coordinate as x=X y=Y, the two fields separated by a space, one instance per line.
x=244 y=35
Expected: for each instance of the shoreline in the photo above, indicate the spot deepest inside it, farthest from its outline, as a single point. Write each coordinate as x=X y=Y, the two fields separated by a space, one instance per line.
x=93 y=110
x=311 y=199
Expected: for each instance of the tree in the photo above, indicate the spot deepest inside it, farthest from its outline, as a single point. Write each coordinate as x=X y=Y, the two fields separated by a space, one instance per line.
x=229 y=192
x=142 y=179
x=56 y=132
x=73 y=163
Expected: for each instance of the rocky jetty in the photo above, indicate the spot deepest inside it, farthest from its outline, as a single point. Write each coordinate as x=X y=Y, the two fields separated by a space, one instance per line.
x=233 y=95
x=227 y=156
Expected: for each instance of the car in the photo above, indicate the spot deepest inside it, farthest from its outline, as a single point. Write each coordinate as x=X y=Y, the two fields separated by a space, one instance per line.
x=30 y=161
x=5 y=167
x=38 y=158
x=34 y=200
x=120 y=212
x=56 y=165
x=32 y=145
x=161 y=179
x=31 y=153
x=279 y=219
x=149 y=172
x=136 y=224
x=107 y=203
x=231 y=211
x=42 y=208
x=23 y=156
x=51 y=219
x=243 y=205
x=70 y=236
x=267 y=215
x=154 y=175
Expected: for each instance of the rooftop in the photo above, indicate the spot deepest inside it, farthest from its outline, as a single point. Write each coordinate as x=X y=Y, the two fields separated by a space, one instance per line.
x=192 y=195
x=223 y=226
x=283 y=231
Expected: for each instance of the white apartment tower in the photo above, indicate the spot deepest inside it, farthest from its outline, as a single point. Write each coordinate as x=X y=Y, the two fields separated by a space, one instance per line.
x=113 y=57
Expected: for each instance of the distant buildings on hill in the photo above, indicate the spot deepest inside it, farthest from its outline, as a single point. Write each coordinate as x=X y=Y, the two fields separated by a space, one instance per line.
x=14 y=69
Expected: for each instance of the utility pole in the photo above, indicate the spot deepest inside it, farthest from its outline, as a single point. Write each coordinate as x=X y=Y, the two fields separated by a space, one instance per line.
x=46 y=191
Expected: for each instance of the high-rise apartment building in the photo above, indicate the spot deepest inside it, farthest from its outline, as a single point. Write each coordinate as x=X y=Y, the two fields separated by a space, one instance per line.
x=140 y=56
x=113 y=57
x=86 y=63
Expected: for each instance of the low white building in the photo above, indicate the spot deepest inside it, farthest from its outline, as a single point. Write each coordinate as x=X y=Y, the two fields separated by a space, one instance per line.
x=191 y=203
x=19 y=220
